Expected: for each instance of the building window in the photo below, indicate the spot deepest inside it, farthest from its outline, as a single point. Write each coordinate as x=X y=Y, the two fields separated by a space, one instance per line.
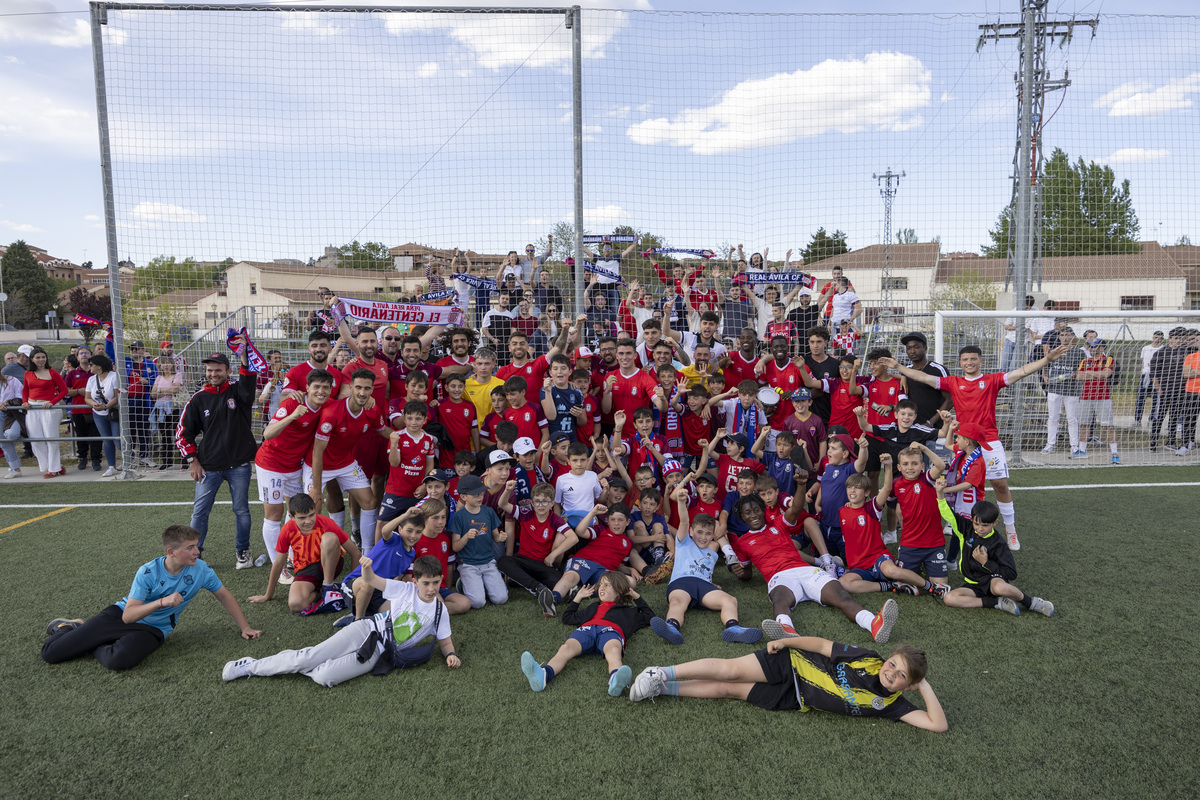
x=380 y=290
x=1138 y=302
x=895 y=284
x=1066 y=305
x=1195 y=304
x=254 y=288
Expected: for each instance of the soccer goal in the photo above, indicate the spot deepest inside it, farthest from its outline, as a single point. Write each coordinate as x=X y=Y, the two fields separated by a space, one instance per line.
x=1137 y=404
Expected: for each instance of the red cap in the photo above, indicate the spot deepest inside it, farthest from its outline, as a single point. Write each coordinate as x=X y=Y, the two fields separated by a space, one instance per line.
x=583 y=352
x=973 y=430
x=847 y=442
x=163 y=344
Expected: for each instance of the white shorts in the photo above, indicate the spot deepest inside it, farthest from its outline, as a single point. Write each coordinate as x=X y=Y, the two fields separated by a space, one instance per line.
x=274 y=488
x=350 y=477
x=1092 y=410
x=805 y=583
x=996 y=461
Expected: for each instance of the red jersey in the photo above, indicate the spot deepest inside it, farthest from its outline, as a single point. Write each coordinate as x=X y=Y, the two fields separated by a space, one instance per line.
x=919 y=510
x=786 y=379
x=586 y=428
x=533 y=371
x=842 y=405
x=606 y=548
x=1096 y=388
x=863 y=535
x=698 y=506
x=404 y=479
x=696 y=298
x=378 y=368
x=398 y=374
x=769 y=549
x=600 y=371
x=459 y=420
x=306 y=547
x=535 y=538
x=775 y=516
x=529 y=419
x=286 y=452
x=728 y=471
x=639 y=455
x=557 y=469
x=975 y=399
x=845 y=342
x=296 y=379
x=438 y=547
x=883 y=393
x=630 y=393
x=488 y=429
x=77 y=379
x=740 y=369
x=962 y=472
x=694 y=429
x=342 y=429
x=786 y=329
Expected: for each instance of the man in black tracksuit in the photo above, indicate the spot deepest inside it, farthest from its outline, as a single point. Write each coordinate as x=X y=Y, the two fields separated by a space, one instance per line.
x=221 y=411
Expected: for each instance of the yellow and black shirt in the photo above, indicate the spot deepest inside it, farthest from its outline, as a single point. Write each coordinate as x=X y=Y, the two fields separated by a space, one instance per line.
x=845 y=682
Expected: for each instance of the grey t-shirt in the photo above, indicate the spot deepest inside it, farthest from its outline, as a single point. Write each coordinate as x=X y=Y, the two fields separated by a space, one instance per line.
x=1060 y=376
x=14 y=370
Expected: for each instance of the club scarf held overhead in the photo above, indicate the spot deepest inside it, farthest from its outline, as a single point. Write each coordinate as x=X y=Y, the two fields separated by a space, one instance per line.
x=257 y=362
x=381 y=312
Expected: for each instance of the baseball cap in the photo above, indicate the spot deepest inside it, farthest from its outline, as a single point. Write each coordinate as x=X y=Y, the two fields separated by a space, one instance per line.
x=25 y=350
x=560 y=436
x=617 y=483
x=164 y=343
x=437 y=475
x=802 y=394
x=914 y=336
x=136 y=344
x=583 y=352
x=499 y=457
x=1099 y=343
x=215 y=358
x=522 y=446
x=973 y=430
x=739 y=438
x=806 y=291
x=470 y=484
x=847 y=441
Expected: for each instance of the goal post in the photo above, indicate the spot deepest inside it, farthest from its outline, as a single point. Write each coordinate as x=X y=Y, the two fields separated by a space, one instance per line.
x=1150 y=414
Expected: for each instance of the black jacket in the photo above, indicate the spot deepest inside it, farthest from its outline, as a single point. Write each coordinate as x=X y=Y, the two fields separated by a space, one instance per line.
x=1000 y=563
x=629 y=619
x=223 y=416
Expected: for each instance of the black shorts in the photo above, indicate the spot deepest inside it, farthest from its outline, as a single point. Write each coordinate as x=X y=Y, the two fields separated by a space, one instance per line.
x=393 y=505
x=314 y=573
x=778 y=693
x=983 y=588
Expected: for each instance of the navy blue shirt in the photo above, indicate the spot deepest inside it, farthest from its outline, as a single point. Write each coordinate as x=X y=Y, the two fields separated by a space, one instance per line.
x=564 y=400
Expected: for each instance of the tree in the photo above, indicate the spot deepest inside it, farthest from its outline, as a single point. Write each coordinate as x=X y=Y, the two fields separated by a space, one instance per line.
x=81 y=301
x=164 y=274
x=906 y=236
x=1184 y=241
x=1084 y=213
x=371 y=255
x=29 y=287
x=969 y=285
x=824 y=246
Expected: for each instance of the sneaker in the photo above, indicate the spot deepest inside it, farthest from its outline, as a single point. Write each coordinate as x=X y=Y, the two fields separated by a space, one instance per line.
x=149 y=462
x=262 y=560
x=666 y=630
x=1014 y=543
x=62 y=622
x=96 y=466
x=1009 y=605
x=1048 y=449
x=939 y=590
x=55 y=474
x=953 y=565
x=1116 y=459
x=650 y=682
x=243 y=560
x=108 y=473
x=286 y=577
x=13 y=473
x=569 y=597
x=899 y=587
x=1183 y=451
x=533 y=671
x=237 y=669
x=736 y=634
x=777 y=630
x=885 y=620
x=546 y=602
x=1077 y=454
x=342 y=622
x=1042 y=606
x=620 y=681
x=83 y=464
x=663 y=571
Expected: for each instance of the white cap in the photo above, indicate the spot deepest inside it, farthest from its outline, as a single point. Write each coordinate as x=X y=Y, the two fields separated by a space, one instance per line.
x=806 y=291
x=25 y=350
x=524 y=445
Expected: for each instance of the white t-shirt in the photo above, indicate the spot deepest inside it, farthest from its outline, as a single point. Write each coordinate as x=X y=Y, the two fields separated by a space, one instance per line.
x=690 y=340
x=410 y=618
x=843 y=306
x=577 y=493
x=104 y=390
x=612 y=265
x=495 y=312
x=1040 y=327
x=1148 y=353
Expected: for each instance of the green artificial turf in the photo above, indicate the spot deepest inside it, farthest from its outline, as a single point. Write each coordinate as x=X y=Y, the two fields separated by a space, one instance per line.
x=1094 y=702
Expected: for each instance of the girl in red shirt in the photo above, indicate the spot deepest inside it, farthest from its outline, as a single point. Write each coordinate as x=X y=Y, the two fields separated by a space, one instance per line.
x=43 y=390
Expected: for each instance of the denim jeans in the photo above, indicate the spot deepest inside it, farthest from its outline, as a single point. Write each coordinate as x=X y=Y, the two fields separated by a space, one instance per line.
x=239 y=491
x=1007 y=354
x=1145 y=389
x=108 y=427
x=7 y=437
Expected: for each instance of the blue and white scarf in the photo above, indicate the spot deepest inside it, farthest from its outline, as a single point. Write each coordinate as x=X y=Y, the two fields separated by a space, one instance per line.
x=624 y=238
x=746 y=421
x=782 y=278
x=961 y=466
x=657 y=251
x=257 y=362
x=603 y=272
x=433 y=297
x=474 y=281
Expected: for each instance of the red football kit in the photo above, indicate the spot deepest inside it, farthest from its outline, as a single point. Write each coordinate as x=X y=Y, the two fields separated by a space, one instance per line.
x=919 y=510
x=606 y=548
x=533 y=371
x=286 y=452
x=296 y=379
x=883 y=393
x=786 y=379
x=631 y=392
x=535 y=538
x=842 y=405
x=414 y=450
x=378 y=368
x=769 y=549
x=458 y=419
x=728 y=471
x=975 y=399
x=439 y=548
x=529 y=419
x=862 y=535
x=342 y=429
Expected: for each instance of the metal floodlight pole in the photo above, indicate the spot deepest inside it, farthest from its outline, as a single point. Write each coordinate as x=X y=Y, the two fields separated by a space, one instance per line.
x=99 y=19
x=574 y=18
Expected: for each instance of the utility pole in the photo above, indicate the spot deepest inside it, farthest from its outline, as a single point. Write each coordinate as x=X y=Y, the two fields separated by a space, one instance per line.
x=887 y=191
x=1025 y=211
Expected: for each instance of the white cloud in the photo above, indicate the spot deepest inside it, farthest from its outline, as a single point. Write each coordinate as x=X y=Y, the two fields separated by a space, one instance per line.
x=946 y=97
x=880 y=91
x=428 y=69
x=1132 y=155
x=34 y=22
x=31 y=118
x=602 y=216
x=1141 y=99
x=20 y=227
x=91 y=217
x=165 y=212
x=590 y=131
x=12 y=60
x=619 y=113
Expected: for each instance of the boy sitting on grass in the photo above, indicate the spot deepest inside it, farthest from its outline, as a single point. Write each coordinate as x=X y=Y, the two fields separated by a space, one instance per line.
x=316 y=543
x=537 y=539
x=922 y=542
x=412 y=611
x=802 y=673
x=985 y=562
x=691 y=586
x=472 y=529
x=122 y=635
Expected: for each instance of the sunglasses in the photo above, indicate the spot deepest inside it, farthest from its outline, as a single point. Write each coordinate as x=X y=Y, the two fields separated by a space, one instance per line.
x=391 y=338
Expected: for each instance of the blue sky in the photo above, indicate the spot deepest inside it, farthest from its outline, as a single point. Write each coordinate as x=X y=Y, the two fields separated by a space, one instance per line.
x=273 y=135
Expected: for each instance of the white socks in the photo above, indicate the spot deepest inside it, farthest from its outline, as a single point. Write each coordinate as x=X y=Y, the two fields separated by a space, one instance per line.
x=270 y=531
x=339 y=517
x=784 y=619
x=1009 y=515
x=367 y=529
x=864 y=619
